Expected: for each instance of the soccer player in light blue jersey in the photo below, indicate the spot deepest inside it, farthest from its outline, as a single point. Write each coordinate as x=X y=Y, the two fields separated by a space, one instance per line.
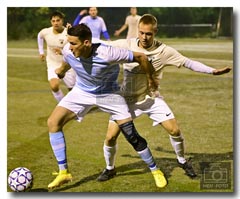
x=97 y=69
x=94 y=22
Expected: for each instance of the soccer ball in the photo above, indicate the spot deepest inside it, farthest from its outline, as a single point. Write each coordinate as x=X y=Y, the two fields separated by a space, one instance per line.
x=20 y=179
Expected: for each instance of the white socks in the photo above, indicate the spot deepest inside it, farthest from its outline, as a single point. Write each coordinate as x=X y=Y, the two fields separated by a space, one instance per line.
x=178 y=146
x=110 y=155
x=58 y=95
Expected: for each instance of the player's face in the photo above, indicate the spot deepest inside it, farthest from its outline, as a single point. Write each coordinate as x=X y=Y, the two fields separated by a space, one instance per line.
x=133 y=11
x=78 y=48
x=57 y=23
x=93 y=12
x=146 y=34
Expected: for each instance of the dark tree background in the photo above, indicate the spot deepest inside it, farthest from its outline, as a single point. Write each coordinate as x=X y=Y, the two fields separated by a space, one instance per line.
x=26 y=22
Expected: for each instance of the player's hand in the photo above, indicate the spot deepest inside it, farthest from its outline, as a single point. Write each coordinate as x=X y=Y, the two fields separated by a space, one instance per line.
x=153 y=85
x=57 y=51
x=68 y=25
x=42 y=57
x=222 y=70
x=83 y=12
x=60 y=73
x=117 y=33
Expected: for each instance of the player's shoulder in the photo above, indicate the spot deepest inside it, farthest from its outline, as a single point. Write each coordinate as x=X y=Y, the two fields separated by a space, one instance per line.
x=46 y=30
x=66 y=51
x=108 y=52
x=100 y=19
x=84 y=19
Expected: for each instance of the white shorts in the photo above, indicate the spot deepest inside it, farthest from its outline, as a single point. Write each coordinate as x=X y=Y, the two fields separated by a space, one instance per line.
x=69 y=78
x=157 y=110
x=80 y=102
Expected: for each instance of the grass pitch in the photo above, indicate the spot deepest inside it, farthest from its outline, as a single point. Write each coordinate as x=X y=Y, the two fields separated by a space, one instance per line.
x=202 y=104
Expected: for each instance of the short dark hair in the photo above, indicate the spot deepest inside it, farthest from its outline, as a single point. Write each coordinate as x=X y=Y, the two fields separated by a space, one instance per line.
x=82 y=31
x=57 y=13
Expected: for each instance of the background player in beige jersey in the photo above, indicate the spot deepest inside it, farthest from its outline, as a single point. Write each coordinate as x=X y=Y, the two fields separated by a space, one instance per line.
x=138 y=96
x=55 y=38
x=131 y=22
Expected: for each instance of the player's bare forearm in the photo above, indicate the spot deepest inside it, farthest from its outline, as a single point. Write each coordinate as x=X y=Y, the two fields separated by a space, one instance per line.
x=221 y=71
x=62 y=70
x=148 y=68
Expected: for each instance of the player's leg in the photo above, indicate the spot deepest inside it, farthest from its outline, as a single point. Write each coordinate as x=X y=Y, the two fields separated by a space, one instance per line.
x=176 y=138
x=56 y=121
x=120 y=113
x=109 y=151
x=177 y=141
x=140 y=145
x=54 y=83
x=161 y=114
x=56 y=91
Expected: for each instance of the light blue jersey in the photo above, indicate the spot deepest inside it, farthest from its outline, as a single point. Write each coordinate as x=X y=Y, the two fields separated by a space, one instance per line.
x=98 y=74
x=97 y=25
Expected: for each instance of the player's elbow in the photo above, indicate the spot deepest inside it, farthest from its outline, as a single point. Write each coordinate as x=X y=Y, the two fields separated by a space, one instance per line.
x=139 y=57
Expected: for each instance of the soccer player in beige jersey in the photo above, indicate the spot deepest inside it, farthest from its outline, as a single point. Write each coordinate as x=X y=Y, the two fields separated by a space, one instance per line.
x=55 y=38
x=138 y=96
x=131 y=22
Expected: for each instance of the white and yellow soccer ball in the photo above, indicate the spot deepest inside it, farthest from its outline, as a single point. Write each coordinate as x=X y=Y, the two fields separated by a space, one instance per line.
x=20 y=179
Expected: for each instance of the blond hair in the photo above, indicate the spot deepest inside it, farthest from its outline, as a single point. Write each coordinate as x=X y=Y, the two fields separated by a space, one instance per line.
x=149 y=19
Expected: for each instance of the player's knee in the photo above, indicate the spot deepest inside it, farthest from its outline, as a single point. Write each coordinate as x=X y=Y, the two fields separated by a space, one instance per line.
x=55 y=88
x=53 y=125
x=141 y=144
x=130 y=133
x=111 y=140
x=174 y=131
x=50 y=122
x=54 y=85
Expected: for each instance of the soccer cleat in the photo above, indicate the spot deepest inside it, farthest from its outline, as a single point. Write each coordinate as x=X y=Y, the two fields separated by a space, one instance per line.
x=187 y=167
x=159 y=178
x=107 y=174
x=62 y=178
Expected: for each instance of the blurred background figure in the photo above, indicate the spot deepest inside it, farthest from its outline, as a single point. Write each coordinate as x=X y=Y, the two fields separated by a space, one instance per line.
x=131 y=23
x=94 y=22
x=55 y=38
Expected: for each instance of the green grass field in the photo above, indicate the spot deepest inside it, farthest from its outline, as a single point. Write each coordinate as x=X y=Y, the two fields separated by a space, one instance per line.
x=202 y=104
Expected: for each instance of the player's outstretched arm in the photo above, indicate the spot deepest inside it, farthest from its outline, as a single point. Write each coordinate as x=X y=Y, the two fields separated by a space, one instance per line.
x=202 y=68
x=221 y=71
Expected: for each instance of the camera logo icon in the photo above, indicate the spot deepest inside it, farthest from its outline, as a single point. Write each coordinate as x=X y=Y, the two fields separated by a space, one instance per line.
x=215 y=175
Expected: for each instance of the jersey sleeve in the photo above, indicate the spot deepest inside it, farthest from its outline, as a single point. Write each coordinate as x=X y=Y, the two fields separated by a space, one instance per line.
x=77 y=19
x=121 y=43
x=198 y=66
x=170 y=56
x=119 y=55
x=66 y=52
x=103 y=25
x=83 y=20
x=40 y=42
